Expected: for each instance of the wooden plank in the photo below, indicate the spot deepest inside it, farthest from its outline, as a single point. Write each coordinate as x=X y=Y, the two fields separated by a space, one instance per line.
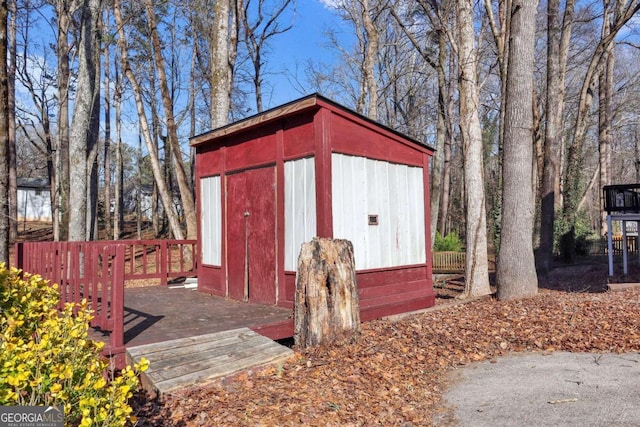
x=234 y=357
x=193 y=361
x=207 y=351
x=148 y=349
x=210 y=374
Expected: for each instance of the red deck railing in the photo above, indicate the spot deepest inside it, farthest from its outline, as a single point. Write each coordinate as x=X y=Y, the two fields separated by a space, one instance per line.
x=97 y=272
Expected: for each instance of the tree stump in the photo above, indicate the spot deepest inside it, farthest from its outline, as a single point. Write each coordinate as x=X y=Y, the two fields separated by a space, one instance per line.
x=327 y=307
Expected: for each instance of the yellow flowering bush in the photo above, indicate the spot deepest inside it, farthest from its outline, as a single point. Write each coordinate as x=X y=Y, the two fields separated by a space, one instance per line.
x=46 y=357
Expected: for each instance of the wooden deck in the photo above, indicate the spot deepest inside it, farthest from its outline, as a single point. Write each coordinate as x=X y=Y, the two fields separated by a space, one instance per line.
x=201 y=359
x=191 y=338
x=156 y=313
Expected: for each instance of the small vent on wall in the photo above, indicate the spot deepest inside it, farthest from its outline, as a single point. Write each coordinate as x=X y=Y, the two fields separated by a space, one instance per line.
x=373 y=219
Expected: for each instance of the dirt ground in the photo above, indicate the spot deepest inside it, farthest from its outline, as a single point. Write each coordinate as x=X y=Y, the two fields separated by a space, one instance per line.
x=397 y=373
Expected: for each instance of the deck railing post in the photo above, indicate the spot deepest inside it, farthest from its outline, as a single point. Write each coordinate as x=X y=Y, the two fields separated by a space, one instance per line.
x=19 y=250
x=116 y=337
x=164 y=259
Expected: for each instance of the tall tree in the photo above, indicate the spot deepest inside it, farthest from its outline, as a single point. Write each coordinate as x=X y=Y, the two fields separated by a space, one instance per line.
x=64 y=13
x=477 y=266
x=223 y=47
x=573 y=186
x=118 y=201
x=186 y=196
x=370 y=17
x=145 y=130
x=516 y=273
x=84 y=127
x=437 y=13
x=4 y=137
x=558 y=37
x=106 y=52
x=605 y=95
x=11 y=93
x=257 y=31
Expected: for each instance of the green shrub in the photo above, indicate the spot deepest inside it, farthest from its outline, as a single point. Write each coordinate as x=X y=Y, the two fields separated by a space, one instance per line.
x=450 y=243
x=46 y=357
x=572 y=238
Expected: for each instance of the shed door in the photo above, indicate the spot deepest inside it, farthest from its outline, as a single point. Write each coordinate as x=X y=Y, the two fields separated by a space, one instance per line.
x=251 y=238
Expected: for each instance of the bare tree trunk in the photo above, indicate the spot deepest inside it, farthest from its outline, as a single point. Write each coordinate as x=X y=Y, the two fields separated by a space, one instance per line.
x=371 y=53
x=477 y=267
x=108 y=225
x=441 y=135
x=4 y=137
x=446 y=167
x=585 y=194
x=157 y=214
x=61 y=216
x=256 y=35
x=188 y=203
x=119 y=186
x=144 y=127
x=83 y=133
x=139 y=190
x=605 y=88
x=500 y=36
x=192 y=118
x=558 y=36
x=516 y=273
x=223 y=45
x=327 y=307
x=11 y=82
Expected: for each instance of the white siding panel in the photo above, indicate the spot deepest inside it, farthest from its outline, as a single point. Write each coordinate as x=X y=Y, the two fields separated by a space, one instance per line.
x=211 y=220
x=416 y=197
x=34 y=204
x=363 y=187
x=373 y=203
x=387 y=244
x=299 y=208
x=359 y=222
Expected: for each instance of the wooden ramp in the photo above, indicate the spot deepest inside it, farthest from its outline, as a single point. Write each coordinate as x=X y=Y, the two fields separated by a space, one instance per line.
x=192 y=361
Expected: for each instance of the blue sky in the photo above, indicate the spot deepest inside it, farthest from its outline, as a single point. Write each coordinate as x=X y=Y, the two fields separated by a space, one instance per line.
x=290 y=51
x=286 y=59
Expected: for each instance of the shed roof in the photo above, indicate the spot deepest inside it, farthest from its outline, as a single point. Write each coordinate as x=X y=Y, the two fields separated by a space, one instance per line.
x=38 y=183
x=309 y=102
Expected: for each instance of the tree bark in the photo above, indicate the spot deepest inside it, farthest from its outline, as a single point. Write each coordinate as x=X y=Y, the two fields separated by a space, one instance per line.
x=605 y=132
x=256 y=35
x=11 y=94
x=172 y=215
x=188 y=203
x=443 y=135
x=477 y=267
x=558 y=35
x=4 y=137
x=327 y=308
x=61 y=209
x=516 y=273
x=108 y=225
x=369 y=18
x=118 y=197
x=222 y=51
x=83 y=133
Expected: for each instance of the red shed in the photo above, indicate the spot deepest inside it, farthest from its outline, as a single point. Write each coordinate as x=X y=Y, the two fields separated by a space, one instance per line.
x=312 y=167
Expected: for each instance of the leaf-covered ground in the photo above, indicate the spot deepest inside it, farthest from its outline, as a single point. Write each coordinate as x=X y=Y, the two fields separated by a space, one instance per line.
x=396 y=373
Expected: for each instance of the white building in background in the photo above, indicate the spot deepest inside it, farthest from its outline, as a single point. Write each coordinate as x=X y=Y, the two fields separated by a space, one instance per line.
x=34 y=200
